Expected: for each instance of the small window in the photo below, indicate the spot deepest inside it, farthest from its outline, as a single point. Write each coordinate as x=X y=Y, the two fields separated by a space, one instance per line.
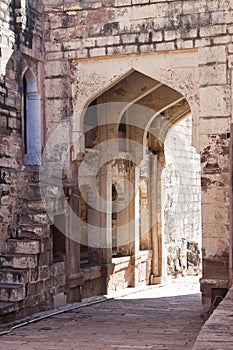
x=31 y=119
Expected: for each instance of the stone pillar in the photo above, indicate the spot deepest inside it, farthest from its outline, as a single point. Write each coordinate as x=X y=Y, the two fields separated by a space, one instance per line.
x=231 y=211
x=159 y=260
x=135 y=233
x=74 y=276
x=105 y=250
x=214 y=118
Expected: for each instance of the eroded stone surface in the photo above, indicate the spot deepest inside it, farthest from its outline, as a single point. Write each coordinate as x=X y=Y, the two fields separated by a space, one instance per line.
x=73 y=52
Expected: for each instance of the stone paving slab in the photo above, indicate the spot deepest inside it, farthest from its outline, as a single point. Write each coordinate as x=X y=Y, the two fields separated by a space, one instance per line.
x=157 y=318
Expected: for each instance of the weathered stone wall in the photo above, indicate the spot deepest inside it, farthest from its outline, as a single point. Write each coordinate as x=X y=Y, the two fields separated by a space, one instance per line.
x=93 y=28
x=21 y=34
x=107 y=29
x=29 y=281
x=182 y=201
x=89 y=45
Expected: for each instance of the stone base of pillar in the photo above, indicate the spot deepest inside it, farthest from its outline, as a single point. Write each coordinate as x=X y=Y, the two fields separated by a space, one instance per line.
x=158 y=279
x=213 y=290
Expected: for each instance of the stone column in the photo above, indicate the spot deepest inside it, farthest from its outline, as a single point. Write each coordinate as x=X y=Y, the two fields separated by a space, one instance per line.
x=74 y=276
x=135 y=231
x=231 y=211
x=158 y=260
x=214 y=118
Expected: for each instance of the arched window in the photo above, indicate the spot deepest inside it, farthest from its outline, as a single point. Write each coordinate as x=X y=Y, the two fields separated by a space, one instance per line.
x=31 y=119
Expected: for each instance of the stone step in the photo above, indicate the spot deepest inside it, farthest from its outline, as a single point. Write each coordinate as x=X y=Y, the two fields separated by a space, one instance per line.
x=7 y=307
x=33 y=218
x=31 y=206
x=13 y=276
x=12 y=292
x=19 y=261
x=34 y=231
x=23 y=246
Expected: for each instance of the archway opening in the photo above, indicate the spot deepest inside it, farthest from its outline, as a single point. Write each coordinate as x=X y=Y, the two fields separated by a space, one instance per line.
x=140 y=113
x=181 y=190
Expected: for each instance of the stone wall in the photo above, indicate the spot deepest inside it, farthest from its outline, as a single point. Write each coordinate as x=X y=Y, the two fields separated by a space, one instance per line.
x=130 y=31
x=88 y=46
x=182 y=201
x=21 y=47
x=81 y=29
x=29 y=281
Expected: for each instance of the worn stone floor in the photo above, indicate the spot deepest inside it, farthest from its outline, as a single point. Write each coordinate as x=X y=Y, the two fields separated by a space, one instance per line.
x=167 y=317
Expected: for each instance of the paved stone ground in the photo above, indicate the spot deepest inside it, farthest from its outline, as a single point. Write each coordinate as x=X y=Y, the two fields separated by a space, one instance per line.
x=166 y=317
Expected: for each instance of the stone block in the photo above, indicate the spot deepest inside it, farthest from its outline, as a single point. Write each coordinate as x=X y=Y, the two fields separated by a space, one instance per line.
x=59 y=300
x=75 y=280
x=221 y=17
x=119 y=3
x=226 y=39
x=12 y=292
x=230 y=61
x=19 y=261
x=140 y=2
x=213 y=54
x=213 y=31
x=13 y=276
x=170 y=45
x=214 y=74
x=171 y=35
x=23 y=246
x=97 y=52
x=214 y=101
x=184 y=44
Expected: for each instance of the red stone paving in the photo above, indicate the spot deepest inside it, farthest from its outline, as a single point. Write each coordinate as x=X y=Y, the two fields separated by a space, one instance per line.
x=167 y=317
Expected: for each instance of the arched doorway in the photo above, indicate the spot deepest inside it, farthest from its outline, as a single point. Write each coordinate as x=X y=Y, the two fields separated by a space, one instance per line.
x=133 y=117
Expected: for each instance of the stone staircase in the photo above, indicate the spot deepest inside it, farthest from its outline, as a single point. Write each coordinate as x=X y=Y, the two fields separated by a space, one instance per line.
x=23 y=246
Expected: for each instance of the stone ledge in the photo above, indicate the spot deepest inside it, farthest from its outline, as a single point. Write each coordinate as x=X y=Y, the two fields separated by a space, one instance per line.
x=217 y=333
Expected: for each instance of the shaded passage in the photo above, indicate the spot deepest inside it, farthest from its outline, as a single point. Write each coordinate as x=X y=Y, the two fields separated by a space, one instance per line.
x=166 y=317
